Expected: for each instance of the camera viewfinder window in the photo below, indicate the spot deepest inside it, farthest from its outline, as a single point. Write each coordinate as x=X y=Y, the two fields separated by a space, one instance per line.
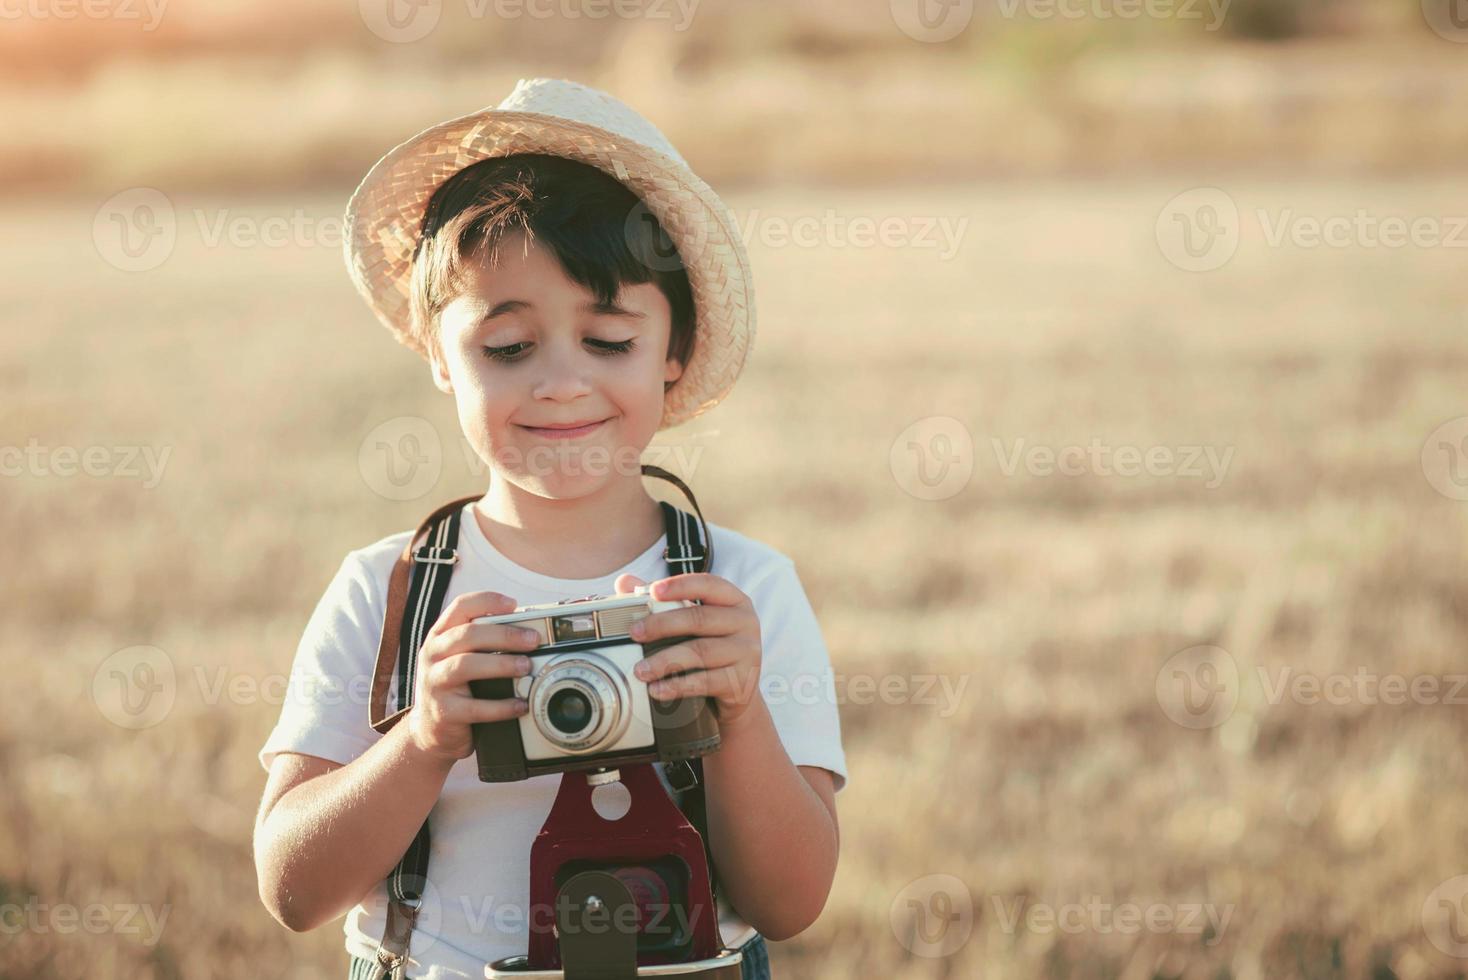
x=581 y=626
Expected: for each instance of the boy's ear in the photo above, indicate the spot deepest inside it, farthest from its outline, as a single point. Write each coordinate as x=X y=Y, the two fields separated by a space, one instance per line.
x=672 y=371
x=439 y=368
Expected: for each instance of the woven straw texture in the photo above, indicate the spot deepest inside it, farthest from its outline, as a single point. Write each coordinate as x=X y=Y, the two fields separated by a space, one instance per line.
x=567 y=119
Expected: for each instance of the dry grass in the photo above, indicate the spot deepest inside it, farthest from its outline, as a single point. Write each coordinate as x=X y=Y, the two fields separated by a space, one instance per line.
x=230 y=96
x=1057 y=777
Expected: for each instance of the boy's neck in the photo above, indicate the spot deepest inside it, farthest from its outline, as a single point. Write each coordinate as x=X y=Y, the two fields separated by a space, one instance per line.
x=586 y=537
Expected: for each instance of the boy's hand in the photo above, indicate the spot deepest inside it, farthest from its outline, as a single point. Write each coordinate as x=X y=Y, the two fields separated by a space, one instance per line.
x=456 y=651
x=722 y=656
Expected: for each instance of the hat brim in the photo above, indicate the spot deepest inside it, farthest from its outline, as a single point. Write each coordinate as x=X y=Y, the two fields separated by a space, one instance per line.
x=385 y=215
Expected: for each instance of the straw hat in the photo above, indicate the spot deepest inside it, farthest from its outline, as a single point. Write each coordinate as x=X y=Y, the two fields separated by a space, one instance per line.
x=554 y=116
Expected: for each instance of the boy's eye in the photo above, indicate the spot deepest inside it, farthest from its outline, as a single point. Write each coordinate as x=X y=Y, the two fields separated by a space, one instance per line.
x=612 y=347
x=509 y=353
x=513 y=352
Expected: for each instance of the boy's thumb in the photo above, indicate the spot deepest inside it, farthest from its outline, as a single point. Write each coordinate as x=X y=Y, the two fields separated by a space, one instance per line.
x=626 y=583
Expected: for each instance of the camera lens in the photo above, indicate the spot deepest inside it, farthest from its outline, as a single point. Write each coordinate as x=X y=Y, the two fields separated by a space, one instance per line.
x=568 y=710
x=579 y=703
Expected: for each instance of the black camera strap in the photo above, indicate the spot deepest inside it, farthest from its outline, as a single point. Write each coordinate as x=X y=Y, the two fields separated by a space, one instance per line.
x=416 y=593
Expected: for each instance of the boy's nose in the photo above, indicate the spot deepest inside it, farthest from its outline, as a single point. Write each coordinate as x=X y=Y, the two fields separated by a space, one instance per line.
x=562 y=381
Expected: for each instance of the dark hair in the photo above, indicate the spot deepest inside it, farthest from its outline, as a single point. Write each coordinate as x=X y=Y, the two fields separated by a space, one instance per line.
x=601 y=233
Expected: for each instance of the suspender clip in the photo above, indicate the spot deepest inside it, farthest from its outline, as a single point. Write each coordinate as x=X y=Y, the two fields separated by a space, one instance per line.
x=427 y=555
x=692 y=558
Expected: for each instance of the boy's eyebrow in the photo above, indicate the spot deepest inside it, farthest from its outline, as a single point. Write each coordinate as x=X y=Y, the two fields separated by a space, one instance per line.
x=594 y=306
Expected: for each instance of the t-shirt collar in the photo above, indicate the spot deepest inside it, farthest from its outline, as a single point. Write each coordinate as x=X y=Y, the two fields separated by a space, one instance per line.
x=647 y=566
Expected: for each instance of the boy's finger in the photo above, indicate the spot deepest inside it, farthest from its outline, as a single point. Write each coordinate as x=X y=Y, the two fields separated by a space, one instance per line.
x=691 y=685
x=627 y=582
x=486 y=638
x=471 y=711
x=461 y=668
x=701 y=620
x=471 y=605
x=712 y=589
x=676 y=658
x=716 y=682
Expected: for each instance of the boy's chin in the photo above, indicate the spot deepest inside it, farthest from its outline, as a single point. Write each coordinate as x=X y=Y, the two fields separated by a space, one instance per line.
x=566 y=482
x=564 y=487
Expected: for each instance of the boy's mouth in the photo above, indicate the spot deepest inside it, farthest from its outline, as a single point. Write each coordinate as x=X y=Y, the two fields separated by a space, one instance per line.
x=564 y=432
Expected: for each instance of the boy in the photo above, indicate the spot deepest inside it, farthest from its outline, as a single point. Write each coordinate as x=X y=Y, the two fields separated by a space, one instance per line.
x=519 y=251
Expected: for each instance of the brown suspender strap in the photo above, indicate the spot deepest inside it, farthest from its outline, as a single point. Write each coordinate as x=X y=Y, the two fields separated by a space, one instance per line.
x=392 y=954
x=397 y=601
x=707 y=559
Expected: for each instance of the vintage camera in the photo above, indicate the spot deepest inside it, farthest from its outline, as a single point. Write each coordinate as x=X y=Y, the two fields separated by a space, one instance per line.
x=588 y=710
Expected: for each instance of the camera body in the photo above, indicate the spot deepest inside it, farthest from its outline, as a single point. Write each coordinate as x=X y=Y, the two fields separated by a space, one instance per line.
x=588 y=710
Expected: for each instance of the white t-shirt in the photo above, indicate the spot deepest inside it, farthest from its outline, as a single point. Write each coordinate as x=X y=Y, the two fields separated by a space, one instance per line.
x=474 y=907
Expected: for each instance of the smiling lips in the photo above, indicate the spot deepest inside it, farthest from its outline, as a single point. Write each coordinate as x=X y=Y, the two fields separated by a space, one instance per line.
x=564 y=432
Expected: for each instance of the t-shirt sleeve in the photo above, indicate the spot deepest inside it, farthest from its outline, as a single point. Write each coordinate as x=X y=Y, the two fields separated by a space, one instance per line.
x=324 y=709
x=795 y=672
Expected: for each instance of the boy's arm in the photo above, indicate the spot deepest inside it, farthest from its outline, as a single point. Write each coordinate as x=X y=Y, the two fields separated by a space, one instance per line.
x=772 y=827
x=326 y=834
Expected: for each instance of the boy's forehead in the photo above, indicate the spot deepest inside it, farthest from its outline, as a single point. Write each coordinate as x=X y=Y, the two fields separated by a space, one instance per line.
x=512 y=256
x=520 y=268
x=511 y=268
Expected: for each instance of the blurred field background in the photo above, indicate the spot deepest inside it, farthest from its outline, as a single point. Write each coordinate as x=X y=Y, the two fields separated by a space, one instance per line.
x=1332 y=834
